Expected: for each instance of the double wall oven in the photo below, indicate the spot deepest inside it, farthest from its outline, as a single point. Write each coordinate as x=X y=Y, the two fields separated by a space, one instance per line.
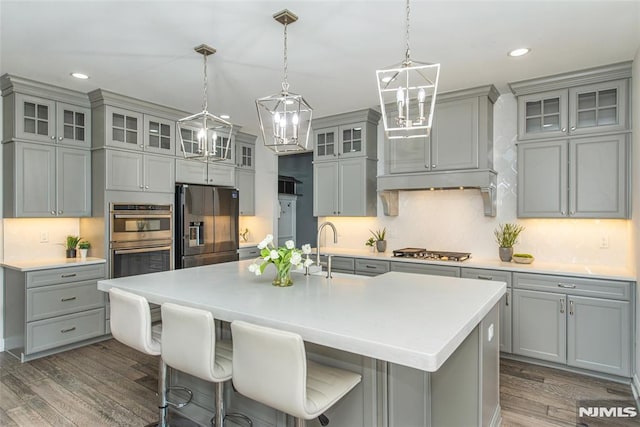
x=141 y=239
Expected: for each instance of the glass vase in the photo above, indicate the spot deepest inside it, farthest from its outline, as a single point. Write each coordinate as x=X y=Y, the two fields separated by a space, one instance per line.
x=283 y=277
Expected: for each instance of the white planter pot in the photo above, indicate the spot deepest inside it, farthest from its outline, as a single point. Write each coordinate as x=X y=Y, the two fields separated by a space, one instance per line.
x=83 y=253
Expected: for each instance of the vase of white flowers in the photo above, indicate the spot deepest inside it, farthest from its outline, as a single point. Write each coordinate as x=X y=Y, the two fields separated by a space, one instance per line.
x=284 y=258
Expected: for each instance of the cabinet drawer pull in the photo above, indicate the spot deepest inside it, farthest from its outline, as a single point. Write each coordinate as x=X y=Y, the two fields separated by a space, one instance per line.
x=566 y=285
x=370 y=266
x=64 y=331
x=571 y=308
x=481 y=277
x=68 y=275
x=506 y=297
x=562 y=305
x=67 y=299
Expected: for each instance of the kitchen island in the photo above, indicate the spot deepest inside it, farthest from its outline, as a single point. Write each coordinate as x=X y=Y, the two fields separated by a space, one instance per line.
x=425 y=345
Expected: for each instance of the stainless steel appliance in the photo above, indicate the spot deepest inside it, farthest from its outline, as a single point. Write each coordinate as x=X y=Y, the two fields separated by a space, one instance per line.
x=422 y=253
x=141 y=239
x=206 y=225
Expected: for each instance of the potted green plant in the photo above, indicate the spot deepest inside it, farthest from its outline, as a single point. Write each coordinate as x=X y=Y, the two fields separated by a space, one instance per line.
x=379 y=236
x=70 y=245
x=84 y=246
x=507 y=236
x=371 y=242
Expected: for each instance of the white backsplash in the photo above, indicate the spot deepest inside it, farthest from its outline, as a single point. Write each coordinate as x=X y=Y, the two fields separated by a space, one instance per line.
x=453 y=220
x=22 y=237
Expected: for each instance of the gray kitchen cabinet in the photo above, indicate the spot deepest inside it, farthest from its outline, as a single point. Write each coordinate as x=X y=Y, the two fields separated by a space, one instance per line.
x=246 y=185
x=159 y=135
x=38 y=119
x=53 y=309
x=346 y=135
x=249 y=252
x=580 y=322
x=245 y=148
x=44 y=180
x=580 y=178
x=576 y=103
x=339 y=264
x=462 y=129
x=345 y=187
x=199 y=172
x=505 y=304
x=130 y=171
x=370 y=267
x=432 y=269
x=326 y=143
x=124 y=128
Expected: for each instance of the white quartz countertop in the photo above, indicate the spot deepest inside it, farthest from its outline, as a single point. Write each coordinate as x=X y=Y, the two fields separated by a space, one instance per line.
x=410 y=319
x=43 y=264
x=590 y=271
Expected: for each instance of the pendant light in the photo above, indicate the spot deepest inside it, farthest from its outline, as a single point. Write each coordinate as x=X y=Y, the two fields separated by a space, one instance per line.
x=203 y=136
x=285 y=118
x=408 y=94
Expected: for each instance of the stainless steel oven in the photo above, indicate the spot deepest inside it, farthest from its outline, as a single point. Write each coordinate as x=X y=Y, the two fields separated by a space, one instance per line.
x=141 y=239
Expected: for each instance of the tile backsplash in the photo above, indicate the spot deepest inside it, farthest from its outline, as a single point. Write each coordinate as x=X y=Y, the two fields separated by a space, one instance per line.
x=22 y=237
x=453 y=220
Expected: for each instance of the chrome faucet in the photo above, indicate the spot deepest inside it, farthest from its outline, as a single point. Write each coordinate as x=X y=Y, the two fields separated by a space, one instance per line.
x=335 y=238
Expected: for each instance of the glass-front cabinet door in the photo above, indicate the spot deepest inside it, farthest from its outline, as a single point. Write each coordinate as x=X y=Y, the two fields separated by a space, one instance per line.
x=244 y=155
x=352 y=140
x=542 y=115
x=35 y=118
x=73 y=125
x=159 y=135
x=325 y=143
x=598 y=108
x=124 y=129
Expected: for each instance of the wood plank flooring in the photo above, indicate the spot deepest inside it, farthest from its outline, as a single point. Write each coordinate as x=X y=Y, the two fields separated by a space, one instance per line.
x=109 y=384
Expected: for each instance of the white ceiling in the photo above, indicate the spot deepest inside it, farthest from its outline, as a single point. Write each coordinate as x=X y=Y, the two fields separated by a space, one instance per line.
x=144 y=48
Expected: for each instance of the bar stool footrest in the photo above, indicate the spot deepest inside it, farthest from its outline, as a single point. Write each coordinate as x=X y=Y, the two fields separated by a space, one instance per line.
x=179 y=405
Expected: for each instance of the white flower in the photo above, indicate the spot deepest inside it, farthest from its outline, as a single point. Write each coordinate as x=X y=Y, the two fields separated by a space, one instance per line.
x=290 y=244
x=308 y=262
x=252 y=268
x=268 y=257
x=306 y=249
x=269 y=238
x=258 y=272
x=262 y=245
x=296 y=258
x=274 y=254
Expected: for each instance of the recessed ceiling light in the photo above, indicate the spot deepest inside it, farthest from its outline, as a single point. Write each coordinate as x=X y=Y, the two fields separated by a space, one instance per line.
x=225 y=116
x=80 y=76
x=519 y=52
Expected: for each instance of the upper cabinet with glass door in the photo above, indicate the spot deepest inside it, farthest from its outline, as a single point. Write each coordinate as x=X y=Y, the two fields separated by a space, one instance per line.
x=245 y=148
x=346 y=135
x=35 y=112
x=159 y=135
x=577 y=103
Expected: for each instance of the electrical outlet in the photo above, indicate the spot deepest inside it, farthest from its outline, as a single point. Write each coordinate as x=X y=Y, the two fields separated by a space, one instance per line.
x=604 y=242
x=44 y=237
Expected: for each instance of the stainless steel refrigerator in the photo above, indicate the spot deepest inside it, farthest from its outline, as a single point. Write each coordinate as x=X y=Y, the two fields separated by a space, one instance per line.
x=206 y=225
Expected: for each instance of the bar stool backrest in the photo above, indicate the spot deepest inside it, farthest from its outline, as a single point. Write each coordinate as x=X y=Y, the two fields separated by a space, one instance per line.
x=130 y=321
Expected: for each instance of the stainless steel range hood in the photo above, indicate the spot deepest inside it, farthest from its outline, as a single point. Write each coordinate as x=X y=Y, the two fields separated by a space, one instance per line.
x=481 y=179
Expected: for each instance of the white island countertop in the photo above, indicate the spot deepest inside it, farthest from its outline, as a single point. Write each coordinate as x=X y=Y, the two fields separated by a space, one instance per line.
x=410 y=319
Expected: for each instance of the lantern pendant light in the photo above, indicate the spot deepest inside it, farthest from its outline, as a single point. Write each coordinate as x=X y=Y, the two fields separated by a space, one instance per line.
x=203 y=136
x=285 y=118
x=407 y=94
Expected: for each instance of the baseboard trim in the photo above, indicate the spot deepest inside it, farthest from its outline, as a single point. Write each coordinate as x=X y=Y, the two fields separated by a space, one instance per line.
x=1 y=344
x=496 y=420
x=635 y=387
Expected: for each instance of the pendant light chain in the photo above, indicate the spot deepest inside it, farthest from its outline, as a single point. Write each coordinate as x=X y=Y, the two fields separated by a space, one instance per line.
x=408 y=27
x=206 y=85
x=285 y=82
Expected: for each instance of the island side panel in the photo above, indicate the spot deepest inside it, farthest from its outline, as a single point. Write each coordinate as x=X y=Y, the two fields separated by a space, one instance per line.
x=490 y=373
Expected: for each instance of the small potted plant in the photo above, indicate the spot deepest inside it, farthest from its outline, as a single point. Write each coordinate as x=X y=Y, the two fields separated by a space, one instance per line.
x=379 y=236
x=371 y=243
x=70 y=245
x=507 y=236
x=84 y=246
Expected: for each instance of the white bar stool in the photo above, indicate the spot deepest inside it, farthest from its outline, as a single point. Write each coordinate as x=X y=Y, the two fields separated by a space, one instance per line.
x=130 y=321
x=270 y=366
x=189 y=345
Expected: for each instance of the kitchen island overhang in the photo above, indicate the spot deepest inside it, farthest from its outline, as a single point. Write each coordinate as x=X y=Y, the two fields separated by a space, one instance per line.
x=424 y=331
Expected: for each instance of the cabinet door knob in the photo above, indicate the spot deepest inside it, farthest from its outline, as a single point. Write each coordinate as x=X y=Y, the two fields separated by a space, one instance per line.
x=564 y=129
x=146 y=186
x=434 y=166
x=60 y=138
x=506 y=300
x=142 y=186
x=53 y=137
x=573 y=128
x=141 y=146
x=572 y=213
x=53 y=212
x=59 y=212
x=563 y=213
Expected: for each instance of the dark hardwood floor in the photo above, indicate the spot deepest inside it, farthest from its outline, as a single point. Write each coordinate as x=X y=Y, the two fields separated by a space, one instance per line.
x=109 y=384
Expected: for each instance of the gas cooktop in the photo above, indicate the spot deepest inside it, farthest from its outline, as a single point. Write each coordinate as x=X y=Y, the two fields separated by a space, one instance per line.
x=421 y=253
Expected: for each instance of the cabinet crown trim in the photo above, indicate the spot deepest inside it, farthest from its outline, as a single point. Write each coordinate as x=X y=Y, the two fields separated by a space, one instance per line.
x=367 y=115
x=14 y=84
x=246 y=138
x=621 y=70
x=100 y=97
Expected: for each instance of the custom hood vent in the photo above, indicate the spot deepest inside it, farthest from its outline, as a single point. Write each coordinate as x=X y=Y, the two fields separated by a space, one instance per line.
x=481 y=179
x=461 y=136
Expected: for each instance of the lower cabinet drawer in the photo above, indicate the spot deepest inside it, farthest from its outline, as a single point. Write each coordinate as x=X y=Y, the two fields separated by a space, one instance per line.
x=54 y=276
x=338 y=263
x=482 y=274
x=597 y=288
x=369 y=267
x=51 y=301
x=249 y=252
x=432 y=269
x=45 y=334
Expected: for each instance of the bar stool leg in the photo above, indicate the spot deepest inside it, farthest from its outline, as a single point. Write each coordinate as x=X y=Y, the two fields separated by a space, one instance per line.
x=162 y=397
x=299 y=422
x=219 y=416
